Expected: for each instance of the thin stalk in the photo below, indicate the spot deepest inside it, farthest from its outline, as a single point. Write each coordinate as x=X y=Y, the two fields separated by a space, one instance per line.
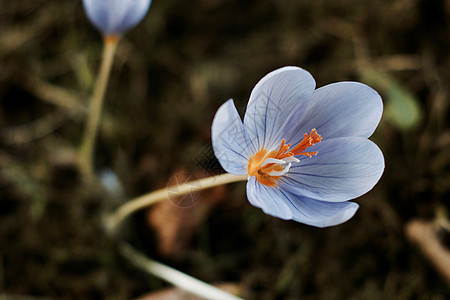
x=175 y=277
x=132 y=206
x=95 y=107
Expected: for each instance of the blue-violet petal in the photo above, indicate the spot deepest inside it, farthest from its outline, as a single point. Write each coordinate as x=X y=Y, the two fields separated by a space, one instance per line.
x=341 y=109
x=277 y=96
x=228 y=139
x=343 y=169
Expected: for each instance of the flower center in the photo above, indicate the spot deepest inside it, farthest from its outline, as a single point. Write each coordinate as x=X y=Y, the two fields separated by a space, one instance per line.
x=268 y=167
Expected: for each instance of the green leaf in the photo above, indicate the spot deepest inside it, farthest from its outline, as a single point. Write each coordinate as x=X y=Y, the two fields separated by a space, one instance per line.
x=401 y=106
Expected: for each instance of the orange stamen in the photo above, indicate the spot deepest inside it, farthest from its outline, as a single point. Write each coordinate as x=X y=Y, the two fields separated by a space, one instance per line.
x=261 y=173
x=308 y=140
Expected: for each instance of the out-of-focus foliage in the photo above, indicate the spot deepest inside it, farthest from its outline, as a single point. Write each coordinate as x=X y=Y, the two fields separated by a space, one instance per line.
x=171 y=74
x=402 y=108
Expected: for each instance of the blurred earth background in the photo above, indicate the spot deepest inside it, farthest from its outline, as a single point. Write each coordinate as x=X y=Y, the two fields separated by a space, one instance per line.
x=170 y=75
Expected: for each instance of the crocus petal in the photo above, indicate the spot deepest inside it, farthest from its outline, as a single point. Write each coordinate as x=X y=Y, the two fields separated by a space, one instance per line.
x=343 y=169
x=113 y=17
x=280 y=94
x=340 y=110
x=318 y=213
x=268 y=199
x=284 y=205
x=228 y=140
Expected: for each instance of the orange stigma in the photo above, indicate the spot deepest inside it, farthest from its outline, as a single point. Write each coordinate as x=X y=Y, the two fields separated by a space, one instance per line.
x=268 y=167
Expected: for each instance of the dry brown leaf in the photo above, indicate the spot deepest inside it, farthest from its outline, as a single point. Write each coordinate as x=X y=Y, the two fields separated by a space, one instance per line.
x=175 y=220
x=425 y=235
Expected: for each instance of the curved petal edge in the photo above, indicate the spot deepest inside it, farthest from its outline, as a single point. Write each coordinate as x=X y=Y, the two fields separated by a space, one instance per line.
x=228 y=140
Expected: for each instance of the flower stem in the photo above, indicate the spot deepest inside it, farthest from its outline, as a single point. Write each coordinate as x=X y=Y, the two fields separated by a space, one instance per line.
x=175 y=277
x=95 y=107
x=131 y=206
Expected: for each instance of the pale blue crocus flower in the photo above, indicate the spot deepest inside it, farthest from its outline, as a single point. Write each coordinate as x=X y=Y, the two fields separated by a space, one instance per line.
x=114 y=17
x=306 y=151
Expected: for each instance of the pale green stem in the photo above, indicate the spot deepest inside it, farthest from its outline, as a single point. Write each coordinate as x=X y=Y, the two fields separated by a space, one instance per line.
x=131 y=206
x=95 y=107
x=175 y=277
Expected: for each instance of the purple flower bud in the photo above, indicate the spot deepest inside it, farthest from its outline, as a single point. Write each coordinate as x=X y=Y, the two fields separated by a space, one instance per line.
x=114 y=17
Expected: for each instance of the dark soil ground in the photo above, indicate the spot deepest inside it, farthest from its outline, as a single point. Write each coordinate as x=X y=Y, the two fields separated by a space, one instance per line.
x=170 y=75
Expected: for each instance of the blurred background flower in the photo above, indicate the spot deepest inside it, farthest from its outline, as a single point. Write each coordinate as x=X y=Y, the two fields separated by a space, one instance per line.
x=114 y=17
